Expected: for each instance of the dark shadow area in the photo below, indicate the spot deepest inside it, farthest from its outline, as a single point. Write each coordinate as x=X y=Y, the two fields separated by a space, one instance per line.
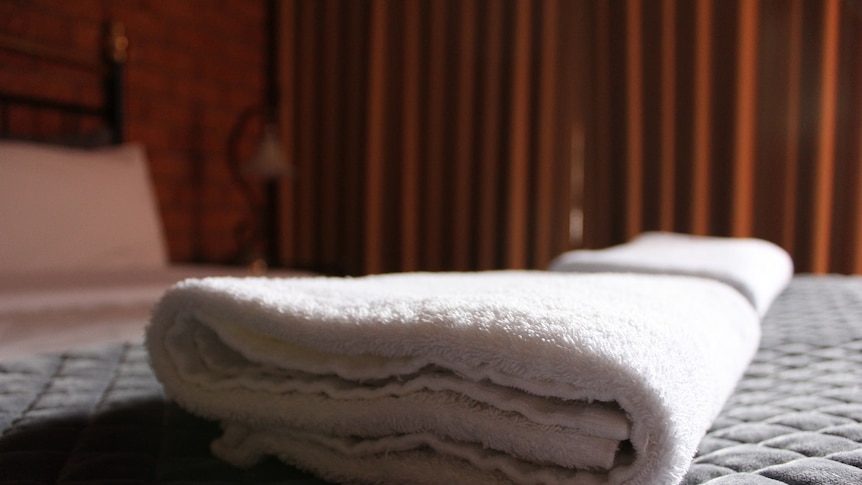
x=141 y=441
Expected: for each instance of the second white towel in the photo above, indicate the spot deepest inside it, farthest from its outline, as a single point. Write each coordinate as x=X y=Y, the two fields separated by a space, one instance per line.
x=758 y=269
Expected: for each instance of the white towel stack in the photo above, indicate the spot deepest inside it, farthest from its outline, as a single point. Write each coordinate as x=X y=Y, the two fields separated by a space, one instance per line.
x=490 y=377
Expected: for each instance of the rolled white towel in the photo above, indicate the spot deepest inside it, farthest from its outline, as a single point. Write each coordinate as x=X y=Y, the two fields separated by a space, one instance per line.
x=758 y=269
x=493 y=377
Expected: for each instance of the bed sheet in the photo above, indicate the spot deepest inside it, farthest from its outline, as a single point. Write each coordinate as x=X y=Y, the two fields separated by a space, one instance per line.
x=42 y=312
x=98 y=415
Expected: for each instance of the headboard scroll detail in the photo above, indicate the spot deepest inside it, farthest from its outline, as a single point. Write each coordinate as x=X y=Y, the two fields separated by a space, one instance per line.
x=106 y=65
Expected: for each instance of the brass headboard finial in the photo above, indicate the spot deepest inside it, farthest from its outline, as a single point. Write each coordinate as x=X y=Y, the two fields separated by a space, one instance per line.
x=118 y=43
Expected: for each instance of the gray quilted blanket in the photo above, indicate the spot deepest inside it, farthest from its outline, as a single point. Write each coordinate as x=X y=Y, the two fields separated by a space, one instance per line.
x=98 y=415
x=796 y=417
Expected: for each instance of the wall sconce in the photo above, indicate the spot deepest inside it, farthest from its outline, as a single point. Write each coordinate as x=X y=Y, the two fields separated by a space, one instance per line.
x=257 y=245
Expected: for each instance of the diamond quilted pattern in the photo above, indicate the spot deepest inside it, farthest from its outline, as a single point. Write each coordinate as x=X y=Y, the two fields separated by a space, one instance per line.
x=745 y=433
x=744 y=479
x=852 y=458
x=795 y=417
x=808 y=471
x=99 y=417
x=811 y=444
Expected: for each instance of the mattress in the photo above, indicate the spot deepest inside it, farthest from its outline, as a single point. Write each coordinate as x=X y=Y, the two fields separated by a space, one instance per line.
x=97 y=415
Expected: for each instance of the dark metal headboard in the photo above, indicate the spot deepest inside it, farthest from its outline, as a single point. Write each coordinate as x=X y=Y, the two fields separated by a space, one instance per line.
x=108 y=66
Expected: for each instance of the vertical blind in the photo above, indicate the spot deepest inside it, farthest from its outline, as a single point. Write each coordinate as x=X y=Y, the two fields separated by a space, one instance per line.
x=730 y=117
x=428 y=134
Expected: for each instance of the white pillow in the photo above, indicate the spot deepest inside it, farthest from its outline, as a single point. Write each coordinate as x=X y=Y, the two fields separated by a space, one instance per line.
x=64 y=209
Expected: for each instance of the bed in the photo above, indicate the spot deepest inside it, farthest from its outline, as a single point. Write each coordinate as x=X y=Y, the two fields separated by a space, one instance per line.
x=83 y=250
x=80 y=404
x=97 y=415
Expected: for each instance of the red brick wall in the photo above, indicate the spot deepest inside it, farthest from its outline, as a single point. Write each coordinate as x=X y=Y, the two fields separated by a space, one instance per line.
x=193 y=67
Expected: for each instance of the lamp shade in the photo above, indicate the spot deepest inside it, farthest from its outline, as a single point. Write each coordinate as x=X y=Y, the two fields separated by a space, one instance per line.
x=269 y=160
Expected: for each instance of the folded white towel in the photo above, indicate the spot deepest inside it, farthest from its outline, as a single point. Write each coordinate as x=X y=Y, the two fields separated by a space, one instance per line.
x=758 y=269
x=493 y=377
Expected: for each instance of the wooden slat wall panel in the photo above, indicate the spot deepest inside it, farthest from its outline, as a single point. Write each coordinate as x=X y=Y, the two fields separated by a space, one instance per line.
x=329 y=199
x=848 y=153
x=598 y=201
x=412 y=138
x=755 y=108
x=491 y=112
x=429 y=134
x=286 y=60
x=703 y=102
x=518 y=139
x=634 y=117
x=544 y=214
x=777 y=141
x=464 y=137
x=825 y=161
x=745 y=131
x=667 y=113
x=377 y=128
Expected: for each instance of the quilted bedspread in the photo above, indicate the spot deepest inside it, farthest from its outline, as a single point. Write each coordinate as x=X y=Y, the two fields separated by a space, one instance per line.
x=99 y=416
